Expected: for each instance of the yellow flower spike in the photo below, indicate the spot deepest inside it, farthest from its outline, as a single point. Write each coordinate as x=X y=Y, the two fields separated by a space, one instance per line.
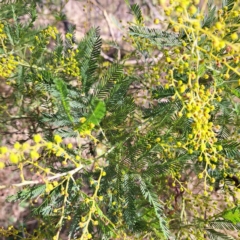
x=37 y=138
x=14 y=158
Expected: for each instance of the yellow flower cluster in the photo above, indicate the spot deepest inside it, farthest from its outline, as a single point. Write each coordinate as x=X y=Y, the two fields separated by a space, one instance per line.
x=199 y=93
x=190 y=20
x=7 y=66
x=69 y=64
x=26 y=153
x=43 y=37
x=198 y=107
x=2 y=34
x=50 y=32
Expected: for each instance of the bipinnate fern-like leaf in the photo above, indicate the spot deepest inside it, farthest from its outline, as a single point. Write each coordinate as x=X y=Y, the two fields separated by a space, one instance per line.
x=210 y=18
x=136 y=10
x=215 y=235
x=155 y=36
x=229 y=4
x=63 y=94
x=224 y=224
x=152 y=198
x=89 y=52
x=28 y=193
x=109 y=83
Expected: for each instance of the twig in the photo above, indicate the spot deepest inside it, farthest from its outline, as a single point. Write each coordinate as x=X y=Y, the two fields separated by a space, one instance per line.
x=37 y=181
x=154 y=10
x=105 y=14
x=132 y=62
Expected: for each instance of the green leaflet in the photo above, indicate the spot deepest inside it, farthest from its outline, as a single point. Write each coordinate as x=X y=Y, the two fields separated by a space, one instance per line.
x=136 y=10
x=233 y=215
x=63 y=93
x=98 y=108
x=235 y=91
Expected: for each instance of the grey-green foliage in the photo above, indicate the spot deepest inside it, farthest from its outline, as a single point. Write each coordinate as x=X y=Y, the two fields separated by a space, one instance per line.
x=137 y=167
x=155 y=36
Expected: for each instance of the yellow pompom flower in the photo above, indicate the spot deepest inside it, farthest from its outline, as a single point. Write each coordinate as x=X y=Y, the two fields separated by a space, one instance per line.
x=156 y=21
x=234 y=36
x=89 y=235
x=192 y=9
x=4 y=150
x=2 y=165
x=14 y=158
x=17 y=145
x=57 y=139
x=70 y=146
x=37 y=138
x=34 y=155
x=49 y=145
x=82 y=119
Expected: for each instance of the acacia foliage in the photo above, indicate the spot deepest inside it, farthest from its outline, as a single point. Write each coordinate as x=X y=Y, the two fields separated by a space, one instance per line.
x=161 y=166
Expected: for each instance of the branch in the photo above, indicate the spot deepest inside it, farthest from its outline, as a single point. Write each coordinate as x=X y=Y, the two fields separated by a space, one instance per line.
x=37 y=181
